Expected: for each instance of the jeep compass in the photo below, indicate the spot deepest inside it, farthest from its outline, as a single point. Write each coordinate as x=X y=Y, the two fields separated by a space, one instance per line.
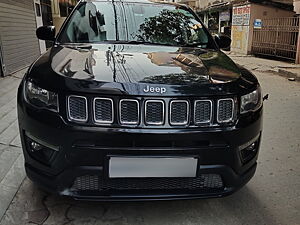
x=136 y=101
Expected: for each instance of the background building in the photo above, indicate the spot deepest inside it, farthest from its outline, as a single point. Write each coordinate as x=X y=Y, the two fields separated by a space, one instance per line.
x=60 y=10
x=18 y=22
x=18 y=43
x=259 y=27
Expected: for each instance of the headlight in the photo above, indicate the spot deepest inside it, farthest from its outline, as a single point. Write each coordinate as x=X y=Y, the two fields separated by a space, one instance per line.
x=40 y=97
x=251 y=101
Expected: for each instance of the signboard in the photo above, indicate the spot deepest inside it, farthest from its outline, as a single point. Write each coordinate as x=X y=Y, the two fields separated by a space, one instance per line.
x=224 y=16
x=241 y=15
x=257 y=24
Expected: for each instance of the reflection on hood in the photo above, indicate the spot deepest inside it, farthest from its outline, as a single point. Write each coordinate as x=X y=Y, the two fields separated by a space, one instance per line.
x=143 y=64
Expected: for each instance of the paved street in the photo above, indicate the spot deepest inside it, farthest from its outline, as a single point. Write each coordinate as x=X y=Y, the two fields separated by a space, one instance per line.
x=11 y=160
x=272 y=196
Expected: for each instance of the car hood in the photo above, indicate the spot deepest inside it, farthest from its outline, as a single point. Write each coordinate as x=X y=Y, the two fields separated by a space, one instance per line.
x=134 y=69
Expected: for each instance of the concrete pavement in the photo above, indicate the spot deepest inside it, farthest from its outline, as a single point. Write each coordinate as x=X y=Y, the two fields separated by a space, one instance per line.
x=11 y=160
x=285 y=69
x=271 y=197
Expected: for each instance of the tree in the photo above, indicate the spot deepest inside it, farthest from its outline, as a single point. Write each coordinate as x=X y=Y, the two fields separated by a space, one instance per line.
x=169 y=27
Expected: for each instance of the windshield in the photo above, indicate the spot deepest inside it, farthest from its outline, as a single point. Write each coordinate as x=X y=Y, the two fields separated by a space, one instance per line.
x=96 y=22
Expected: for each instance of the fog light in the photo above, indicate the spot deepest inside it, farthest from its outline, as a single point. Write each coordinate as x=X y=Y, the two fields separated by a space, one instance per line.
x=35 y=146
x=251 y=147
x=249 y=152
x=40 y=150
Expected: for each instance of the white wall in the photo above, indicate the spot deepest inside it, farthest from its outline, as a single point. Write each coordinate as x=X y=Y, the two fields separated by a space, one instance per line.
x=39 y=23
x=297 y=6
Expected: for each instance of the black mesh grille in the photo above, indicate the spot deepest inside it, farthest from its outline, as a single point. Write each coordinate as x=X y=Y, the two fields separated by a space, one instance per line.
x=103 y=110
x=179 y=112
x=154 y=112
x=86 y=183
x=203 y=111
x=129 y=112
x=225 y=110
x=203 y=182
x=77 y=108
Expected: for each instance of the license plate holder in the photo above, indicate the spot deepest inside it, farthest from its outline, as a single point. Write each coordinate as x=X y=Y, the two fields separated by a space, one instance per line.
x=151 y=167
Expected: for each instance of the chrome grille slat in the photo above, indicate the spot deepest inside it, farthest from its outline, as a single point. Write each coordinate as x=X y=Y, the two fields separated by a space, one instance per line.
x=103 y=110
x=154 y=112
x=129 y=111
x=77 y=108
x=203 y=111
x=225 y=110
x=179 y=112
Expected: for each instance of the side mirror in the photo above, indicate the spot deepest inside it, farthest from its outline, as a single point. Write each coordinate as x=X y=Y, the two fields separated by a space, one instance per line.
x=46 y=33
x=222 y=41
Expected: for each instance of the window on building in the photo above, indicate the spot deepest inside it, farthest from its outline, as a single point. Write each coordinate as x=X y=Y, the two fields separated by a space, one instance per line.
x=46 y=12
x=66 y=7
x=38 y=9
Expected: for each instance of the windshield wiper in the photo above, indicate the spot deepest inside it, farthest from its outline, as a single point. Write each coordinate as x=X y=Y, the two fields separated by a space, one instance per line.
x=133 y=42
x=194 y=44
x=78 y=45
x=154 y=43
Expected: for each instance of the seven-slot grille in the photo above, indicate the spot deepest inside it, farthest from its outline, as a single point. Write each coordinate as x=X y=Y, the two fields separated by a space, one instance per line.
x=179 y=112
x=103 y=110
x=203 y=111
x=153 y=111
x=129 y=111
x=77 y=108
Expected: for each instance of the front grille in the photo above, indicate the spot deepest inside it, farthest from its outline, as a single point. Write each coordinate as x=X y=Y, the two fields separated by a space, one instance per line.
x=154 y=112
x=129 y=111
x=225 y=110
x=96 y=183
x=103 y=110
x=77 y=108
x=203 y=111
x=179 y=112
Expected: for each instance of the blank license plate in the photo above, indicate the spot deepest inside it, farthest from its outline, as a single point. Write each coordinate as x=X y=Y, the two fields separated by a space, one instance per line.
x=152 y=167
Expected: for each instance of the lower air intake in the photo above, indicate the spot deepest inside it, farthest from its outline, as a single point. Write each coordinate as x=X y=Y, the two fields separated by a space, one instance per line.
x=96 y=183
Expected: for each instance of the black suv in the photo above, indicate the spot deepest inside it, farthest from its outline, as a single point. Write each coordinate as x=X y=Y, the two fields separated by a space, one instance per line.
x=136 y=101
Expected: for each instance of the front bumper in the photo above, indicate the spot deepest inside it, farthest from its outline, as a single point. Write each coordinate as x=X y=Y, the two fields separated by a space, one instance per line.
x=83 y=150
x=61 y=184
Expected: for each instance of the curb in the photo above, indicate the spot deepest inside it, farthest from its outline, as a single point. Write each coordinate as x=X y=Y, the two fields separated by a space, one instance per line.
x=289 y=74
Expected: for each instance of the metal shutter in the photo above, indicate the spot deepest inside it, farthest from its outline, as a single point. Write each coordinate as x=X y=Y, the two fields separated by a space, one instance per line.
x=20 y=47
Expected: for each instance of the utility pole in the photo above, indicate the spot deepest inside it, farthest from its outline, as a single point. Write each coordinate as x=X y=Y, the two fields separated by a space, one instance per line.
x=116 y=20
